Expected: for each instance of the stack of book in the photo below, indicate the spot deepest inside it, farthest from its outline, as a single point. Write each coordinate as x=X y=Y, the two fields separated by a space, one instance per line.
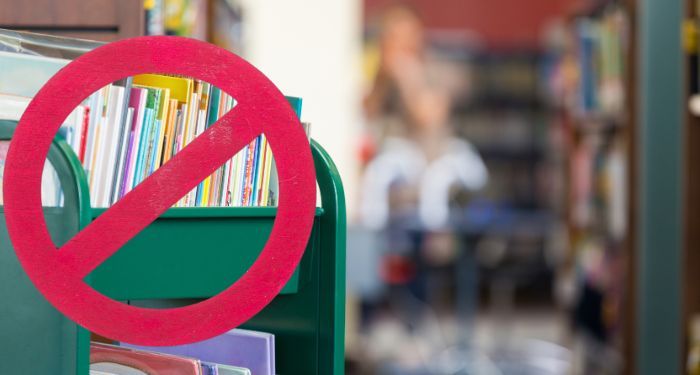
x=125 y=131
x=129 y=131
x=237 y=352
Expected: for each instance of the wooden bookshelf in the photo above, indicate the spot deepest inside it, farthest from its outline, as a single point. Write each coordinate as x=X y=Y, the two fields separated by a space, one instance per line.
x=102 y=20
x=603 y=132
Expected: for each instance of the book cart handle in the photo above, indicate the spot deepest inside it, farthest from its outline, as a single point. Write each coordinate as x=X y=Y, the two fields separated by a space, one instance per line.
x=333 y=240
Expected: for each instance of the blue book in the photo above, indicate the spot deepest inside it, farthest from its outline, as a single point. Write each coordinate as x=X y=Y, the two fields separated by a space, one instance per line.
x=587 y=59
x=141 y=152
x=257 y=166
x=154 y=147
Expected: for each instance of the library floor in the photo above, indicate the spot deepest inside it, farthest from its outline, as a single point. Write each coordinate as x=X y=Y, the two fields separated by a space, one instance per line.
x=532 y=340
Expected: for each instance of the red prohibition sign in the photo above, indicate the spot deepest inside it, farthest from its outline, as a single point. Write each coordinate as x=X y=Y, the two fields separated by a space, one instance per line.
x=59 y=273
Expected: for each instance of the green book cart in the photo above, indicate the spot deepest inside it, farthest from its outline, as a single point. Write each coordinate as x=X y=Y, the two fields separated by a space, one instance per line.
x=189 y=254
x=35 y=339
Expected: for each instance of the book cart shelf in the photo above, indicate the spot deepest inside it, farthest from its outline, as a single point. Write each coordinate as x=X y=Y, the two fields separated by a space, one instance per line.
x=186 y=255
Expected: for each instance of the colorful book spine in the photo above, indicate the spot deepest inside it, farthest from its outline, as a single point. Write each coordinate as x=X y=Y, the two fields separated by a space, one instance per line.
x=124 y=132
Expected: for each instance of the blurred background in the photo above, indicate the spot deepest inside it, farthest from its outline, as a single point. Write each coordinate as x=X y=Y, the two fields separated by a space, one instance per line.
x=485 y=148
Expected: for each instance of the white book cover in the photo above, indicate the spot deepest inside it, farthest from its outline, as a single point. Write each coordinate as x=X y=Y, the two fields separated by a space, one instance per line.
x=123 y=146
x=225 y=179
x=104 y=162
x=240 y=175
x=97 y=155
x=190 y=198
x=94 y=139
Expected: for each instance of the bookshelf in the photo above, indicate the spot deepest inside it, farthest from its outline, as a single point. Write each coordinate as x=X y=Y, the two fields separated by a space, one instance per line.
x=101 y=20
x=629 y=245
x=307 y=318
x=599 y=132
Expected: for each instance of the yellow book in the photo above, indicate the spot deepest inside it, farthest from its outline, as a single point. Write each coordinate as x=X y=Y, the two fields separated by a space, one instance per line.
x=205 y=192
x=180 y=88
x=170 y=130
x=267 y=171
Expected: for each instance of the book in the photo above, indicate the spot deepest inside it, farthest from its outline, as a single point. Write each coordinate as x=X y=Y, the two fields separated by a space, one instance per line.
x=137 y=102
x=232 y=370
x=124 y=126
x=218 y=369
x=107 y=147
x=239 y=347
x=125 y=131
x=125 y=137
x=146 y=134
x=124 y=361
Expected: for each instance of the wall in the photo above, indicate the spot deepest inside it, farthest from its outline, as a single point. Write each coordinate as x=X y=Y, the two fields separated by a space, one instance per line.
x=311 y=49
x=501 y=24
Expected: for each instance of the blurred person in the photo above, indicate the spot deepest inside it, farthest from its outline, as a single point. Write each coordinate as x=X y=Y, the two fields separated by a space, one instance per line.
x=409 y=108
x=410 y=176
x=412 y=89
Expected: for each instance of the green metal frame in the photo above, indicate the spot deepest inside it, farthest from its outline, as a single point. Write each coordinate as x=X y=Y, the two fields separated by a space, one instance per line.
x=193 y=253
x=63 y=223
x=660 y=221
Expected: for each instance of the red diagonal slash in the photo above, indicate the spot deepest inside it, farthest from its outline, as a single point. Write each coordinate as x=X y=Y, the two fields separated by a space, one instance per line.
x=86 y=251
x=59 y=274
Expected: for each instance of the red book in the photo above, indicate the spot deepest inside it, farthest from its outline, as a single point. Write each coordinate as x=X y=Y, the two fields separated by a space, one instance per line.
x=83 y=136
x=248 y=187
x=108 y=358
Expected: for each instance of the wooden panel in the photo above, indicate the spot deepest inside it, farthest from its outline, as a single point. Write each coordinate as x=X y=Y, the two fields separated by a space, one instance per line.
x=59 y=13
x=131 y=18
x=103 y=20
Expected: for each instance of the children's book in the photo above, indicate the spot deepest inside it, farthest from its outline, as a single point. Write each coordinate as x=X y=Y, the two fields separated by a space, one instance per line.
x=239 y=347
x=124 y=361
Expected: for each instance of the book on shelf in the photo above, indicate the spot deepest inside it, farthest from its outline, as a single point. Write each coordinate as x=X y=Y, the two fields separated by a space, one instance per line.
x=586 y=70
x=124 y=132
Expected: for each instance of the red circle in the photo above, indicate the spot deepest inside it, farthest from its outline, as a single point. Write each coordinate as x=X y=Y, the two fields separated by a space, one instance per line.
x=59 y=274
